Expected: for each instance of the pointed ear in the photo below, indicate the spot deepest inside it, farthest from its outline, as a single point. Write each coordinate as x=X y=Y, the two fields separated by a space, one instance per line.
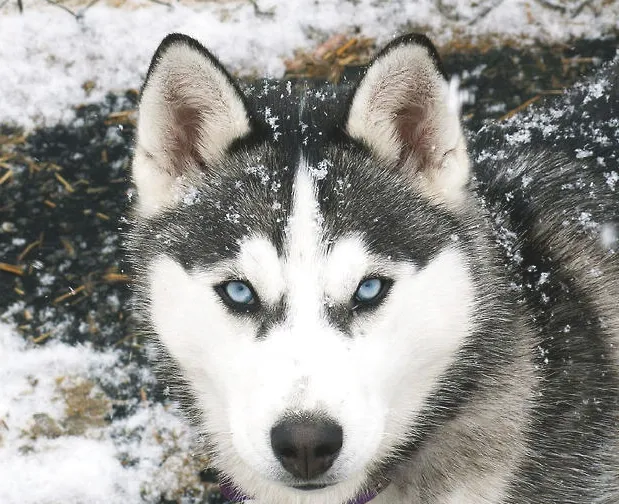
x=405 y=110
x=190 y=112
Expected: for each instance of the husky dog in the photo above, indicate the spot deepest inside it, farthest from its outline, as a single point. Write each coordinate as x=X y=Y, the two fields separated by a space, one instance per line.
x=347 y=309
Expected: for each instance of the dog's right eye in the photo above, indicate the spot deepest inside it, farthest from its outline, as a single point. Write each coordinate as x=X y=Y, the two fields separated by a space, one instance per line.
x=370 y=292
x=238 y=295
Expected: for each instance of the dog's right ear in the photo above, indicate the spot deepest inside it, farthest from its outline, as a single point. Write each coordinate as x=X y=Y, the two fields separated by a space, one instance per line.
x=190 y=112
x=408 y=114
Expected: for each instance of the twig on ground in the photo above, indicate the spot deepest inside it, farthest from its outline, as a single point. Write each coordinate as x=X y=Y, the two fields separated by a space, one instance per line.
x=57 y=4
x=30 y=247
x=12 y=268
x=6 y=176
x=161 y=2
x=71 y=293
x=259 y=12
x=485 y=11
x=453 y=15
x=530 y=101
x=554 y=5
x=79 y=15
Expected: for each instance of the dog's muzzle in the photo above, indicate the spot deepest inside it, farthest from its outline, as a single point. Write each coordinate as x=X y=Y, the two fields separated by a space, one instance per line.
x=306 y=445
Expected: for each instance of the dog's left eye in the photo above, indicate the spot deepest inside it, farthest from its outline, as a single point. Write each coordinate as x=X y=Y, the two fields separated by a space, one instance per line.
x=370 y=291
x=237 y=295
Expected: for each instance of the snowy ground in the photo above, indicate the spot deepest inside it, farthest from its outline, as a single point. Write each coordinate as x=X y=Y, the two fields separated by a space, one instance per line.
x=79 y=419
x=56 y=441
x=51 y=61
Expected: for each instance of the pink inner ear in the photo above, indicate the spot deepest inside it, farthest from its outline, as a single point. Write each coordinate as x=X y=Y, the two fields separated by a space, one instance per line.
x=183 y=133
x=184 y=137
x=418 y=136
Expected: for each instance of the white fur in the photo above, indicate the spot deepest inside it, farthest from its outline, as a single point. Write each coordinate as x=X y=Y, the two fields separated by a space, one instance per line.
x=372 y=383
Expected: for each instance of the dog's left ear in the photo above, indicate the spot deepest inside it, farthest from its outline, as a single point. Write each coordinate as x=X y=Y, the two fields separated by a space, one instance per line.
x=405 y=110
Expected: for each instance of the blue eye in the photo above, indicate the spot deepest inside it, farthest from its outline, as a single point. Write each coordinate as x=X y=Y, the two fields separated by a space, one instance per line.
x=239 y=292
x=237 y=295
x=371 y=290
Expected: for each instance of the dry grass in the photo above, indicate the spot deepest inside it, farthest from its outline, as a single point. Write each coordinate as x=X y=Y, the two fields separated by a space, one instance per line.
x=330 y=58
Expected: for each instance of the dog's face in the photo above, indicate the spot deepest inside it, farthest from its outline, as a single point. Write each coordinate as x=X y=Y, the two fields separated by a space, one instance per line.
x=304 y=273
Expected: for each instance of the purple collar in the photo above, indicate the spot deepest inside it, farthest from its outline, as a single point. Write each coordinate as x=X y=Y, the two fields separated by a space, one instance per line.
x=232 y=494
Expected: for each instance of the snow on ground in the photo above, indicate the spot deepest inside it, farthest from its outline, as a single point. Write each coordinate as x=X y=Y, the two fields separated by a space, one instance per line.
x=47 y=56
x=57 y=440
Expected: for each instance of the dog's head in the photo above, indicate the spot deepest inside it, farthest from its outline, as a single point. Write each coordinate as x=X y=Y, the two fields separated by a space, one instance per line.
x=301 y=259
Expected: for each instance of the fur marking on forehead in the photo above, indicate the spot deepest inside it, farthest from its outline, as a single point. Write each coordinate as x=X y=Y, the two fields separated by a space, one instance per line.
x=304 y=229
x=304 y=249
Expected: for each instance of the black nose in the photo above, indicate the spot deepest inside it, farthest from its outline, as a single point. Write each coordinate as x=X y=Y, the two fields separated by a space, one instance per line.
x=306 y=447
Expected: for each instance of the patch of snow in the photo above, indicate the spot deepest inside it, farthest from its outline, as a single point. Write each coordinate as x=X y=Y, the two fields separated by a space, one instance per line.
x=260 y=171
x=582 y=153
x=596 y=90
x=43 y=462
x=526 y=180
x=321 y=170
x=109 y=48
x=543 y=278
x=496 y=108
x=611 y=179
x=586 y=221
x=519 y=137
x=191 y=196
